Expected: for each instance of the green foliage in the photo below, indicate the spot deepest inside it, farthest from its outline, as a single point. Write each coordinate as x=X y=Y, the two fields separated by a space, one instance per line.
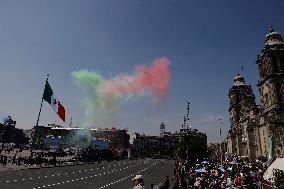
x=181 y=148
x=191 y=147
x=278 y=178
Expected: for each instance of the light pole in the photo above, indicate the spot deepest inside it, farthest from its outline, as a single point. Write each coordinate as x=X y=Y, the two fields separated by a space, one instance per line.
x=187 y=138
x=221 y=121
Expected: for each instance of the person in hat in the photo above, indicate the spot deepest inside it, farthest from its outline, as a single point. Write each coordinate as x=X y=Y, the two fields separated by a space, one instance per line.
x=138 y=181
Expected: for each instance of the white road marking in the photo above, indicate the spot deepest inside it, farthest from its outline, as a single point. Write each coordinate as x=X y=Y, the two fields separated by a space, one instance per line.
x=127 y=167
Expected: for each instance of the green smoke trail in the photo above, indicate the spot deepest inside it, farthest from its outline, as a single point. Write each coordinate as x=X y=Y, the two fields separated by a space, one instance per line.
x=89 y=82
x=94 y=100
x=91 y=102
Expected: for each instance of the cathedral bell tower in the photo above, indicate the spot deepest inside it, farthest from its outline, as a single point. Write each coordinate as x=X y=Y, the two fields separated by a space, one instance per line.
x=243 y=112
x=270 y=62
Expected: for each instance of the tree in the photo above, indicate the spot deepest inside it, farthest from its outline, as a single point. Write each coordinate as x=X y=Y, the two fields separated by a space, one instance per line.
x=191 y=146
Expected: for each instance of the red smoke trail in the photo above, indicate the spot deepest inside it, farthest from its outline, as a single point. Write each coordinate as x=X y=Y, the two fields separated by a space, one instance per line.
x=154 y=78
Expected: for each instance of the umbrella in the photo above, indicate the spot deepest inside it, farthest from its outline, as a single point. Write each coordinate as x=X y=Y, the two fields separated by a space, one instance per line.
x=233 y=162
x=277 y=164
x=200 y=171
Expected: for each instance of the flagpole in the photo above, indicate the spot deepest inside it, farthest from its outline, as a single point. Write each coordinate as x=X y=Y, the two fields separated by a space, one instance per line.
x=35 y=132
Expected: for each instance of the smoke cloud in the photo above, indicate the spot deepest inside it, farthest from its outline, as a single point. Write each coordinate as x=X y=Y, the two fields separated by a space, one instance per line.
x=104 y=94
x=153 y=79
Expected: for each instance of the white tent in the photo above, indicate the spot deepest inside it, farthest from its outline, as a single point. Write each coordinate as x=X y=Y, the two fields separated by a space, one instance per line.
x=277 y=164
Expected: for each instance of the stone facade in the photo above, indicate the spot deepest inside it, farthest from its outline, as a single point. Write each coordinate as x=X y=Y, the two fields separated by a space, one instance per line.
x=259 y=130
x=244 y=119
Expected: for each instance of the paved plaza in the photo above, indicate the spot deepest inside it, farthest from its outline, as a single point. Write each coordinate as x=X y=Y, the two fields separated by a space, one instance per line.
x=115 y=174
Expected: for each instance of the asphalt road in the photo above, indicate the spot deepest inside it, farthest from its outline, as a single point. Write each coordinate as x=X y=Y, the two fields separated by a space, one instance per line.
x=109 y=175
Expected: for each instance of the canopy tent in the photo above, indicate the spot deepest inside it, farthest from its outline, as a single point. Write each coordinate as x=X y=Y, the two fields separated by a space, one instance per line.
x=201 y=171
x=277 y=164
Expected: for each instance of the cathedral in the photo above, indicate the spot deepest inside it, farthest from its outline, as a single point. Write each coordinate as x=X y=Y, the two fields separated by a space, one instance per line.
x=258 y=130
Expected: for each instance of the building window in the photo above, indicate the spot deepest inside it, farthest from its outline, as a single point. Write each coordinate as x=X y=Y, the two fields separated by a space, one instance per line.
x=274 y=63
x=281 y=64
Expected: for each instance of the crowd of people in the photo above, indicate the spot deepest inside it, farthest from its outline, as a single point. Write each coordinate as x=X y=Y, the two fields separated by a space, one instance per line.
x=236 y=172
x=20 y=157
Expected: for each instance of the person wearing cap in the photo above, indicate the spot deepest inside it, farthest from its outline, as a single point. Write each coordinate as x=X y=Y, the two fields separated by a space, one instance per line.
x=138 y=180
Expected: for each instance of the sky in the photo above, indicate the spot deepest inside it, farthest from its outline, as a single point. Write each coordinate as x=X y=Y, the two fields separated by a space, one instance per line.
x=206 y=42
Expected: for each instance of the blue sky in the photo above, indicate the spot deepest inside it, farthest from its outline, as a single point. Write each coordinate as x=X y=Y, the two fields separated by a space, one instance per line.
x=207 y=43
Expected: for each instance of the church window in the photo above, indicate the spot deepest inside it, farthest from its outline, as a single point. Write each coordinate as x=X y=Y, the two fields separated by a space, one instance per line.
x=265 y=99
x=281 y=64
x=274 y=63
x=278 y=92
x=261 y=70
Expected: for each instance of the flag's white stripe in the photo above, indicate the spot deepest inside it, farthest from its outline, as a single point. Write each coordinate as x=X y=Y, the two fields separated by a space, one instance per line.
x=54 y=104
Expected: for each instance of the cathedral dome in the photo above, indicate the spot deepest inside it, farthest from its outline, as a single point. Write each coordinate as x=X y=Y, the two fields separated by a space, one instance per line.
x=239 y=80
x=273 y=38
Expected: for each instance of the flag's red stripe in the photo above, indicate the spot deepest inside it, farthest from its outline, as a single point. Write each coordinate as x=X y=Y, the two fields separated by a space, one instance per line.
x=61 y=111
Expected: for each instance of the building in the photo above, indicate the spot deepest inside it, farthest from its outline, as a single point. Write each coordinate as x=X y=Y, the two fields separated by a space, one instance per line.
x=242 y=136
x=259 y=130
x=75 y=137
x=10 y=134
x=155 y=146
x=119 y=138
x=162 y=146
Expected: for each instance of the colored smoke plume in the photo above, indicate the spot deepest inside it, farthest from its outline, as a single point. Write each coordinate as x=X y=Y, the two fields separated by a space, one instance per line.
x=101 y=95
x=154 y=79
x=104 y=94
x=89 y=82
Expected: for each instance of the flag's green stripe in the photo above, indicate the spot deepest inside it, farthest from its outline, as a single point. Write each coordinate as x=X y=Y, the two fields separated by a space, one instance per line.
x=47 y=93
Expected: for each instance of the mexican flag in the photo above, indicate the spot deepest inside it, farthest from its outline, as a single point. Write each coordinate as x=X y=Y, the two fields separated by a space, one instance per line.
x=55 y=104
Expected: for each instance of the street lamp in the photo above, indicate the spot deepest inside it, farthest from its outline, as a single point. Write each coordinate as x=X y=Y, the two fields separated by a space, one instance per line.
x=187 y=151
x=221 y=121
